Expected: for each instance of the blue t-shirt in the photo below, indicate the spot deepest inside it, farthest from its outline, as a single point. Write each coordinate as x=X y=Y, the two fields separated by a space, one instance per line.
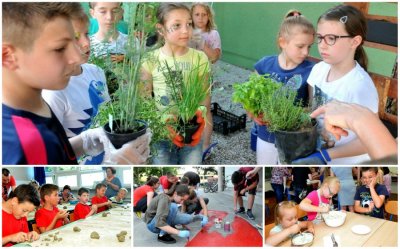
x=32 y=139
x=296 y=78
x=363 y=194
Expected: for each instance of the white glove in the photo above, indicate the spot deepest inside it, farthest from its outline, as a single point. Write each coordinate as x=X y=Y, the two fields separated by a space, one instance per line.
x=92 y=141
x=134 y=152
x=197 y=40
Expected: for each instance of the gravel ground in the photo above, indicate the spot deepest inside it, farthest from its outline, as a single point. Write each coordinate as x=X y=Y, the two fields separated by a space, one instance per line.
x=234 y=148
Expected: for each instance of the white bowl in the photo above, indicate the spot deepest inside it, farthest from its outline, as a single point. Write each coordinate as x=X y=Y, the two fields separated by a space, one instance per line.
x=334 y=218
x=303 y=239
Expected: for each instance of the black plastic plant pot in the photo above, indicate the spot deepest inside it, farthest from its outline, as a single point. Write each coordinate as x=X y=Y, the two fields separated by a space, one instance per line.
x=188 y=129
x=118 y=138
x=296 y=144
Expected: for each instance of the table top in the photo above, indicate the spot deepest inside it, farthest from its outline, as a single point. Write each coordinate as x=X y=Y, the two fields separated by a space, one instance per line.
x=119 y=219
x=383 y=232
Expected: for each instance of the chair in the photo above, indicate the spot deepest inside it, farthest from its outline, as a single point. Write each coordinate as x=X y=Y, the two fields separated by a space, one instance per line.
x=71 y=217
x=391 y=208
x=35 y=228
x=267 y=229
x=301 y=214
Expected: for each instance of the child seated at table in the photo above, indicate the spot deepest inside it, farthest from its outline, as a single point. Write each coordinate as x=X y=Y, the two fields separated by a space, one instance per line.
x=370 y=197
x=286 y=223
x=320 y=200
x=119 y=198
x=49 y=217
x=100 y=199
x=82 y=209
x=23 y=200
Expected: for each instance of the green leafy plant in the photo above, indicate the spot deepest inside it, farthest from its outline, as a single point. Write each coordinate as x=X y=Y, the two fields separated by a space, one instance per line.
x=282 y=112
x=187 y=90
x=250 y=93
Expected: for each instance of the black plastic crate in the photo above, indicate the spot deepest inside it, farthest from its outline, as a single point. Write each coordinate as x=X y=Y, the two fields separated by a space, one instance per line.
x=226 y=122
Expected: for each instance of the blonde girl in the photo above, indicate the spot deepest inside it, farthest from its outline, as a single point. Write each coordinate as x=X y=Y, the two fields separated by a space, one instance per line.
x=290 y=66
x=320 y=201
x=342 y=75
x=175 y=28
x=286 y=223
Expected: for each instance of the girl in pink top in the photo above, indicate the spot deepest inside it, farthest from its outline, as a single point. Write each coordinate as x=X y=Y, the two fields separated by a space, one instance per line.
x=320 y=200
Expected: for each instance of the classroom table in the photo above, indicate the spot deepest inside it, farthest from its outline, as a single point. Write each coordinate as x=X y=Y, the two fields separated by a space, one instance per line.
x=383 y=232
x=118 y=219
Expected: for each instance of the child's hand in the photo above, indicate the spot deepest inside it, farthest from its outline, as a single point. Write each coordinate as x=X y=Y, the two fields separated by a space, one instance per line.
x=310 y=227
x=62 y=214
x=372 y=183
x=324 y=209
x=109 y=203
x=117 y=57
x=32 y=236
x=19 y=237
x=94 y=208
x=258 y=119
x=371 y=206
x=295 y=228
x=242 y=191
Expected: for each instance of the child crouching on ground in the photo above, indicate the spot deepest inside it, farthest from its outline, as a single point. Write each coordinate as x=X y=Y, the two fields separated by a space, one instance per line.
x=49 y=217
x=320 y=200
x=286 y=223
x=100 y=199
x=82 y=209
x=23 y=200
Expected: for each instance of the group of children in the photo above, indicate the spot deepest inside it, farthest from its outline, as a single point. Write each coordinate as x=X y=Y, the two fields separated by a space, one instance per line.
x=369 y=199
x=25 y=198
x=59 y=117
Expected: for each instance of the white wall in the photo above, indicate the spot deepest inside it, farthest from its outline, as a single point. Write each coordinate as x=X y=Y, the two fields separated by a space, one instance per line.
x=21 y=174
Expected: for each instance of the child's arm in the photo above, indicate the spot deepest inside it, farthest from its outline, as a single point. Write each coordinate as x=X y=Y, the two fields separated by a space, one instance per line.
x=203 y=206
x=308 y=225
x=212 y=54
x=33 y=236
x=150 y=196
x=276 y=238
x=15 y=238
x=306 y=205
x=252 y=186
x=359 y=209
x=108 y=203
x=379 y=200
x=60 y=215
x=93 y=211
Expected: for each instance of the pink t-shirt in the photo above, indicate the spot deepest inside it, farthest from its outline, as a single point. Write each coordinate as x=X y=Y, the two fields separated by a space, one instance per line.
x=212 y=38
x=313 y=197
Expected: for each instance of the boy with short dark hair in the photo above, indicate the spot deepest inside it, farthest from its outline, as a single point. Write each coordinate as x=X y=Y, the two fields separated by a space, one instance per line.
x=243 y=184
x=370 y=197
x=82 y=210
x=24 y=199
x=42 y=54
x=100 y=199
x=49 y=217
x=108 y=40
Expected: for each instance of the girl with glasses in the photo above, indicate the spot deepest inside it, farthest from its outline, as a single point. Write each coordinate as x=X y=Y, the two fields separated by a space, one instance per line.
x=320 y=201
x=342 y=75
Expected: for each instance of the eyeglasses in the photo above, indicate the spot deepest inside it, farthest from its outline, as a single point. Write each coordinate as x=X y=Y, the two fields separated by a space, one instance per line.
x=331 y=39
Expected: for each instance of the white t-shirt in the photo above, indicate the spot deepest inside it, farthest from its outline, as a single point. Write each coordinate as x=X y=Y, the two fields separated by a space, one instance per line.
x=117 y=46
x=77 y=104
x=354 y=87
x=212 y=38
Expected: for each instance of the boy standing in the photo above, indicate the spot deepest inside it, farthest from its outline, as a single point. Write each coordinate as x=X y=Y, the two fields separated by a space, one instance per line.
x=100 y=199
x=108 y=40
x=49 y=217
x=23 y=199
x=242 y=184
x=370 y=197
x=82 y=210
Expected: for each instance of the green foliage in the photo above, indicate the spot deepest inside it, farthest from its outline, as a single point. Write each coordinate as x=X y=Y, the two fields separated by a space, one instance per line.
x=187 y=90
x=282 y=112
x=250 y=93
x=143 y=172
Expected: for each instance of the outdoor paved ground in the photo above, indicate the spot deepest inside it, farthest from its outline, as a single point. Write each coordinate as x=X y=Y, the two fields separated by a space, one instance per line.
x=222 y=201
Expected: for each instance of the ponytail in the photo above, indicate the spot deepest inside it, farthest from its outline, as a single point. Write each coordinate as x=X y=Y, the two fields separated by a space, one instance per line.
x=361 y=57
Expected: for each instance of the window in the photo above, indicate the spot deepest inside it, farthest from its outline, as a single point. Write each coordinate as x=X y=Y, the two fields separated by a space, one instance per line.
x=127 y=177
x=88 y=180
x=71 y=180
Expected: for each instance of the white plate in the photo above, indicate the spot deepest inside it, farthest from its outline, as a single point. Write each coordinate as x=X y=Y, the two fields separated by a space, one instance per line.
x=360 y=229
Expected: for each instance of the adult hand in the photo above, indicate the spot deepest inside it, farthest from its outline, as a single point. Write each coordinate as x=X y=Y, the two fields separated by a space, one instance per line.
x=92 y=141
x=184 y=234
x=258 y=119
x=196 y=137
x=134 y=152
x=321 y=157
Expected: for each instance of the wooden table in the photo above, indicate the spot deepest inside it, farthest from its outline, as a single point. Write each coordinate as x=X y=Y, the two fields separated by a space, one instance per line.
x=383 y=232
x=119 y=219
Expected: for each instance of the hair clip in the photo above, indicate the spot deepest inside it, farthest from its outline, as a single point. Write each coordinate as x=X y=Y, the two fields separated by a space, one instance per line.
x=343 y=19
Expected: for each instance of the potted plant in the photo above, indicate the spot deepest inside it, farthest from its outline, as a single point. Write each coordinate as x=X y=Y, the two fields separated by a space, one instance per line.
x=187 y=92
x=295 y=132
x=251 y=92
x=119 y=116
